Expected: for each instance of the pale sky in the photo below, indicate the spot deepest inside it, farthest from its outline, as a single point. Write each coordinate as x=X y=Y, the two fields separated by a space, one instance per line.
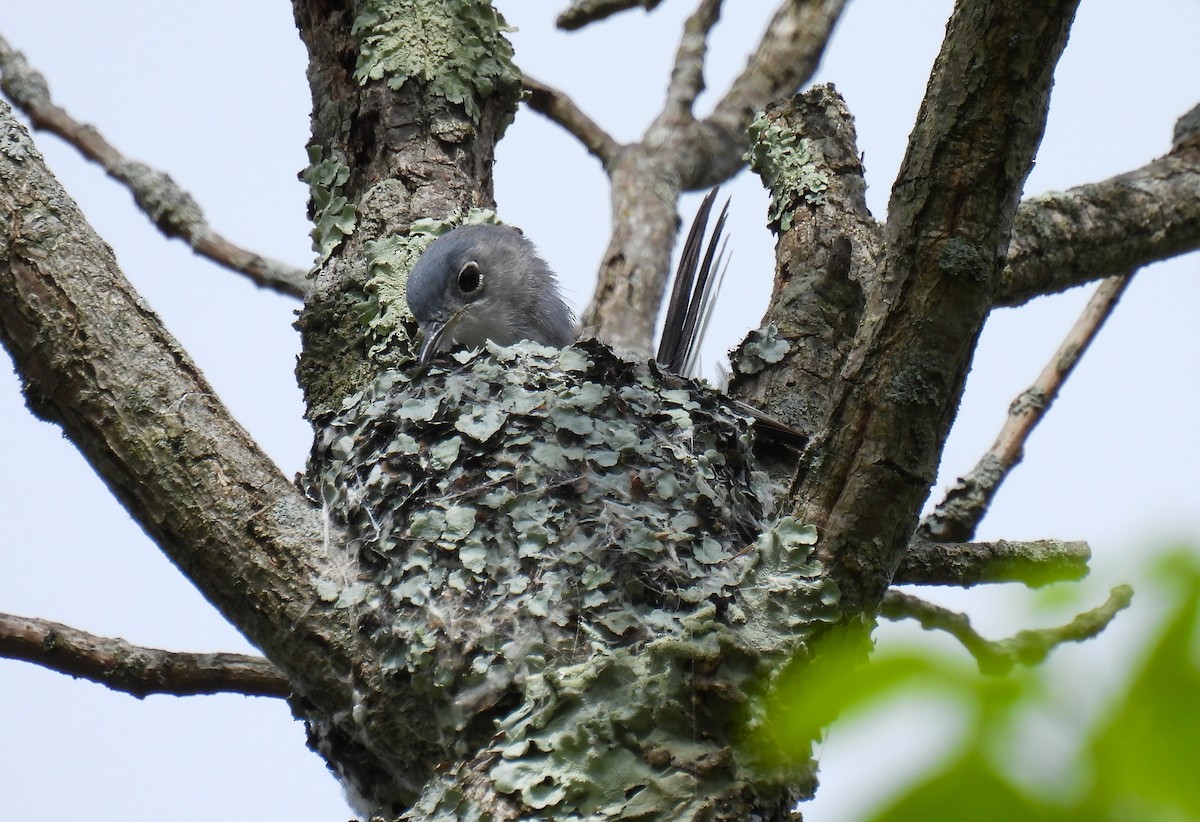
x=215 y=95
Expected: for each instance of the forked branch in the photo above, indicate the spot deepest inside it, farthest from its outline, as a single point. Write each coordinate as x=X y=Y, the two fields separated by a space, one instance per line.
x=876 y=453
x=680 y=152
x=997 y=658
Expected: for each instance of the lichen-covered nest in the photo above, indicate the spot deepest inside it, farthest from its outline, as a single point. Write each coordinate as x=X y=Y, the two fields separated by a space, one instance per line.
x=527 y=523
x=567 y=485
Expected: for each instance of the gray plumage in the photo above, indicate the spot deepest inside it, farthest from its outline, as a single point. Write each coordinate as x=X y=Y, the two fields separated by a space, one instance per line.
x=486 y=282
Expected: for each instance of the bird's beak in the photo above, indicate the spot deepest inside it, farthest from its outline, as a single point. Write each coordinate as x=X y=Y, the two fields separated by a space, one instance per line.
x=436 y=331
x=432 y=333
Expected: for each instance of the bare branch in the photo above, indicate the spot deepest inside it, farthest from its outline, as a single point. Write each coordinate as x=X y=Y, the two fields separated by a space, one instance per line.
x=958 y=515
x=559 y=108
x=168 y=206
x=1063 y=239
x=582 y=12
x=139 y=671
x=785 y=59
x=680 y=153
x=687 y=74
x=1026 y=648
x=1036 y=563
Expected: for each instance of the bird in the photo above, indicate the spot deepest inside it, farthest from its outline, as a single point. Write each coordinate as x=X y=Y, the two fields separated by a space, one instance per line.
x=488 y=282
x=527 y=511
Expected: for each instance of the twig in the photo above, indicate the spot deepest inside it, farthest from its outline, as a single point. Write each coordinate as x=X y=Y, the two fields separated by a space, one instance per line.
x=167 y=205
x=557 y=107
x=785 y=59
x=1026 y=648
x=582 y=12
x=1036 y=563
x=687 y=73
x=965 y=504
x=133 y=669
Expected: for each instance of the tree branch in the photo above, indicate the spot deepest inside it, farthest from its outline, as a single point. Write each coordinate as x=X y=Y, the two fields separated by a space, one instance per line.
x=169 y=207
x=1026 y=648
x=679 y=152
x=1063 y=239
x=876 y=454
x=560 y=109
x=97 y=362
x=784 y=60
x=1036 y=563
x=958 y=515
x=123 y=666
x=806 y=152
x=582 y=12
x=687 y=73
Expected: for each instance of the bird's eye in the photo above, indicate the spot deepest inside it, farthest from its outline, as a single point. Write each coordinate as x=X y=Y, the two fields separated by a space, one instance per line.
x=470 y=278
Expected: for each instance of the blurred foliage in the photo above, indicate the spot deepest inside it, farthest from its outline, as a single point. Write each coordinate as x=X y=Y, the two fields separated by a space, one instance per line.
x=1139 y=759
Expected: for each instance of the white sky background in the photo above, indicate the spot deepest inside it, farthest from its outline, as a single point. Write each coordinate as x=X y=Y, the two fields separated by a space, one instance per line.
x=215 y=95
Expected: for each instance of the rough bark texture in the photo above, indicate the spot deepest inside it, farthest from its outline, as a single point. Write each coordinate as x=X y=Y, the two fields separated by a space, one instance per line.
x=407 y=151
x=826 y=253
x=96 y=361
x=1098 y=230
x=123 y=666
x=876 y=451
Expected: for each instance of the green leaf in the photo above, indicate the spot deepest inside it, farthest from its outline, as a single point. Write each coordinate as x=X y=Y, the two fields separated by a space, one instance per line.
x=969 y=789
x=1150 y=746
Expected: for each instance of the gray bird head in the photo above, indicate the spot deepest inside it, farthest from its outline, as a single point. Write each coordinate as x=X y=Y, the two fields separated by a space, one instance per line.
x=486 y=282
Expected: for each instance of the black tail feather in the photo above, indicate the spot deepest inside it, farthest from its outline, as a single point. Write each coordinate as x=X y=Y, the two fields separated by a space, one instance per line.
x=696 y=282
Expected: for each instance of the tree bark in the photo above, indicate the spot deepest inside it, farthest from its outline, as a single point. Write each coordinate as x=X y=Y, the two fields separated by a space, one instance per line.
x=949 y=219
x=96 y=361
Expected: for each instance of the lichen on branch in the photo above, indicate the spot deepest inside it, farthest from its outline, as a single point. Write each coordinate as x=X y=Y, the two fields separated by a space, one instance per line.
x=457 y=48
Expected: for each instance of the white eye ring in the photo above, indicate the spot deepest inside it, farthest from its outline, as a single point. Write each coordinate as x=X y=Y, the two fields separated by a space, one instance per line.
x=470 y=278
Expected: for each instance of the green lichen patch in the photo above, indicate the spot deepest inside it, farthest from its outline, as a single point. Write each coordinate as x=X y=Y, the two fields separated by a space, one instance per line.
x=333 y=214
x=457 y=47
x=761 y=348
x=790 y=169
x=786 y=589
